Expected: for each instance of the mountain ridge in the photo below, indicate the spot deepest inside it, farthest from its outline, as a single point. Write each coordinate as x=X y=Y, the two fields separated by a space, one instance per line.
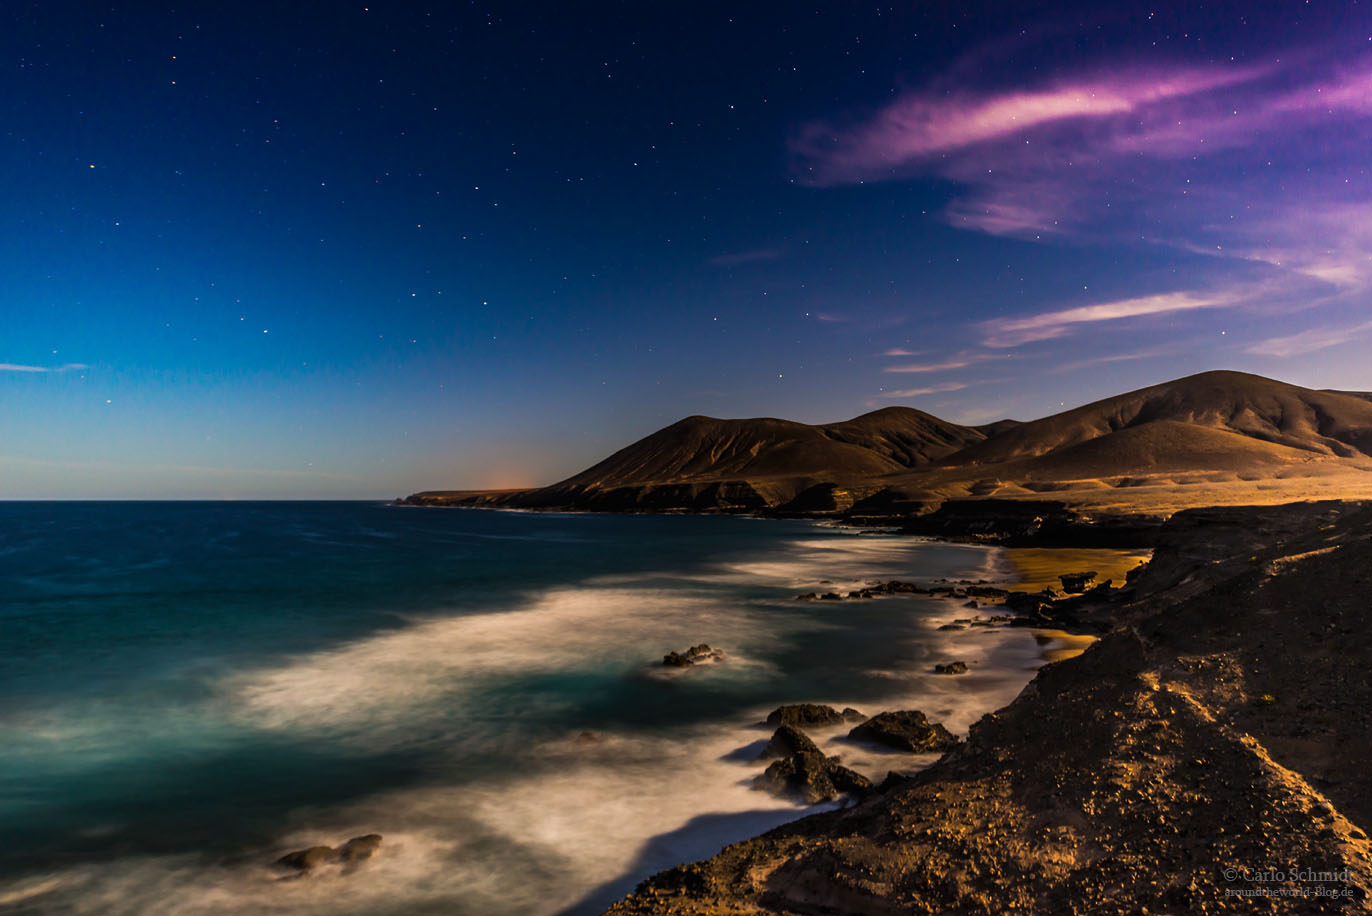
x=1219 y=436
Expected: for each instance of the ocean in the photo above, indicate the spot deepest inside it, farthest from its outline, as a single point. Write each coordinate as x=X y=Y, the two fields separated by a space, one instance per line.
x=190 y=690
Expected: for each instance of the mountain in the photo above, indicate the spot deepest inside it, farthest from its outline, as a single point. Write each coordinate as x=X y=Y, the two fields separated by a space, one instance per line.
x=1216 y=437
x=702 y=449
x=1166 y=422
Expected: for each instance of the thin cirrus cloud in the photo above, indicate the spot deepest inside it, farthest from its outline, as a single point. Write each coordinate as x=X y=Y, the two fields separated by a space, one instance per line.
x=924 y=125
x=1239 y=163
x=1005 y=333
x=918 y=392
x=19 y=367
x=957 y=362
x=1308 y=341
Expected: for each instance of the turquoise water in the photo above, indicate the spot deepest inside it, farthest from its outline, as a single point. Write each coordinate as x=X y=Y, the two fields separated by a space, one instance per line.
x=188 y=690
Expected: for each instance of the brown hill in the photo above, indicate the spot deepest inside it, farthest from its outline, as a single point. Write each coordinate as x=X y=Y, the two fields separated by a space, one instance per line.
x=706 y=449
x=1236 y=403
x=1212 y=438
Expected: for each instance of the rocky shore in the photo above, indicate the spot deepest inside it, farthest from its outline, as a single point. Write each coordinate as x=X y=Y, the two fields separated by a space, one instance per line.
x=1205 y=755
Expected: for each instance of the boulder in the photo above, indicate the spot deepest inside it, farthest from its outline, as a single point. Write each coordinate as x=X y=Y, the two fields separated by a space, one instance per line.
x=951 y=668
x=812 y=776
x=693 y=656
x=806 y=715
x=359 y=848
x=306 y=859
x=907 y=730
x=350 y=854
x=1077 y=582
x=786 y=741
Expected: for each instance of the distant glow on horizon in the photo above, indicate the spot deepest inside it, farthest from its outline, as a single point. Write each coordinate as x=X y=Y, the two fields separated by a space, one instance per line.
x=253 y=251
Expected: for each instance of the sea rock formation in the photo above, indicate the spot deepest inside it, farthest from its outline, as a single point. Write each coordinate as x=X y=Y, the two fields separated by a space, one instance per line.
x=788 y=740
x=696 y=655
x=1194 y=760
x=808 y=715
x=813 y=777
x=906 y=730
x=349 y=855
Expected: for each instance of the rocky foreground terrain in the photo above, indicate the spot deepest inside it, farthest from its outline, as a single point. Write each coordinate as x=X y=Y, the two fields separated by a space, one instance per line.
x=1209 y=754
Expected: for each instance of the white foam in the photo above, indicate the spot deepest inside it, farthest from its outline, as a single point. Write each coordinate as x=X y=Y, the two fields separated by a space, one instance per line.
x=587 y=814
x=385 y=683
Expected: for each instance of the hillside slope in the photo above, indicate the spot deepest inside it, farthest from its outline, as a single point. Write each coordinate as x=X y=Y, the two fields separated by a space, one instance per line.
x=1213 y=438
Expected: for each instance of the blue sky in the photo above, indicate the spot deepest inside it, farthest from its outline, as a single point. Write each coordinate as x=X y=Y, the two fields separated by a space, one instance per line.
x=268 y=251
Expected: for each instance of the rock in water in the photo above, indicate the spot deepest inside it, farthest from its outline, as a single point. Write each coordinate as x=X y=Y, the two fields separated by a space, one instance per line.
x=306 y=859
x=907 y=730
x=812 y=776
x=359 y=848
x=350 y=854
x=693 y=656
x=812 y=714
x=1077 y=582
x=786 y=741
x=951 y=668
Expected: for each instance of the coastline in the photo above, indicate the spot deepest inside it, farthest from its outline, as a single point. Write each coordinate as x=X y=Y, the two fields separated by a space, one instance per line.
x=652 y=785
x=1079 y=797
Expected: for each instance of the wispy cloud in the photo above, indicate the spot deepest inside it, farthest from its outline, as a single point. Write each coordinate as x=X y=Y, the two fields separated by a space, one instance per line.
x=1013 y=332
x=925 y=125
x=19 y=367
x=735 y=258
x=897 y=351
x=1308 y=341
x=1248 y=164
x=961 y=361
x=918 y=392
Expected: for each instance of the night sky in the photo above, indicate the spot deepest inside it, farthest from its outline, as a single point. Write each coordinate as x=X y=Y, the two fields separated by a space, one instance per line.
x=285 y=250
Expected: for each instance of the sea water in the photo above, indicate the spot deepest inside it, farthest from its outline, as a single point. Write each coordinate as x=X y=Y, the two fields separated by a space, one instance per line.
x=190 y=690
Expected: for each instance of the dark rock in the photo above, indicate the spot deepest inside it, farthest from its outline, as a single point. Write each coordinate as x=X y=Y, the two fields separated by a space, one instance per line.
x=808 y=596
x=786 y=741
x=359 y=848
x=693 y=656
x=953 y=626
x=812 y=776
x=831 y=596
x=306 y=859
x=1077 y=582
x=811 y=714
x=951 y=668
x=907 y=730
x=350 y=854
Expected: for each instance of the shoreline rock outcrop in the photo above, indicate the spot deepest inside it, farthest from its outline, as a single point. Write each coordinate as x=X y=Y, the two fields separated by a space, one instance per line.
x=809 y=715
x=906 y=730
x=349 y=855
x=1196 y=759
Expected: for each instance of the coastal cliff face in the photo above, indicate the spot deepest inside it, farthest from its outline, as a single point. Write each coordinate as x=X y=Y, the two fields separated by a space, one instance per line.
x=1207 y=755
x=1218 y=438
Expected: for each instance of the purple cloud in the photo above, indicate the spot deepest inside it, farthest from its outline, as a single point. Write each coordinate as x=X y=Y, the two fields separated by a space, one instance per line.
x=923 y=127
x=1262 y=169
